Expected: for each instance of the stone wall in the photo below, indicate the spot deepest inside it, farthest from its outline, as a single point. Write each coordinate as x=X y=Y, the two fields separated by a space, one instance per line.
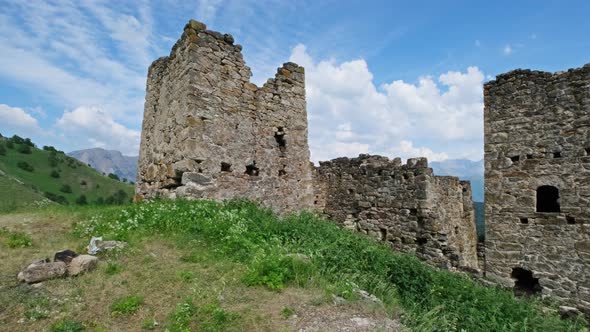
x=404 y=205
x=537 y=133
x=208 y=132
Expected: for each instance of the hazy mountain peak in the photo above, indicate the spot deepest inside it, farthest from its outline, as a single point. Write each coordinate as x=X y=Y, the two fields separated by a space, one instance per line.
x=108 y=161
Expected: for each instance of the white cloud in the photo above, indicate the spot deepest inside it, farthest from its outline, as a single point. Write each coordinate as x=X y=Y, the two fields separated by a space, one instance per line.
x=507 y=49
x=14 y=120
x=93 y=127
x=438 y=118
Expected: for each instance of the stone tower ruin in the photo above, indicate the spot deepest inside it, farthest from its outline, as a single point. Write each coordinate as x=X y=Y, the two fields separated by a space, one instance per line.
x=209 y=133
x=537 y=182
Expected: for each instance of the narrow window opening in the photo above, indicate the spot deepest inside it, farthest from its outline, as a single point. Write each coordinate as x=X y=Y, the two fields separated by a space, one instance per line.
x=280 y=139
x=524 y=220
x=225 y=167
x=570 y=220
x=200 y=170
x=529 y=156
x=252 y=170
x=383 y=234
x=515 y=158
x=282 y=172
x=548 y=199
x=350 y=191
x=557 y=154
x=406 y=176
x=464 y=190
x=413 y=212
x=524 y=283
x=456 y=230
x=315 y=202
x=421 y=241
x=587 y=151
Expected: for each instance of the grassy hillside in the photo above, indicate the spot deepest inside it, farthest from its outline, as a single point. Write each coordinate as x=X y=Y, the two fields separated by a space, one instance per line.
x=57 y=176
x=207 y=266
x=16 y=195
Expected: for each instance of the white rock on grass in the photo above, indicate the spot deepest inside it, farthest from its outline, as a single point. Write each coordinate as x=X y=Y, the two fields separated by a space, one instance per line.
x=38 y=272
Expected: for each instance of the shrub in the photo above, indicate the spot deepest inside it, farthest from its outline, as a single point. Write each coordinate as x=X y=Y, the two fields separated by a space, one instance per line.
x=113 y=268
x=28 y=142
x=126 y=305
x=100 y=201
x=24 y=149
x=53 y=160
x=113 y=176
x=67 y=325
x=25 y=166
x=17 y=139
x=49 y=148
x=9 y=144
x=54 y=174
x=81 y=200
x=56 y=198
x=118 y=198
x=82 y=182
x=65 y=188
x=2 y=150
x=16 y=239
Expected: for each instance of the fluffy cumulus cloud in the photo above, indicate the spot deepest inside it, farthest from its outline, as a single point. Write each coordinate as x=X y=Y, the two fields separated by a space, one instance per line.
x=438 y=118
x=93 y=127
x=14 y=120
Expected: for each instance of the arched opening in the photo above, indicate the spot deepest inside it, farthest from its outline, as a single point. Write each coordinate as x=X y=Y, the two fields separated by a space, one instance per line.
x=548 y=199
x=524 y=283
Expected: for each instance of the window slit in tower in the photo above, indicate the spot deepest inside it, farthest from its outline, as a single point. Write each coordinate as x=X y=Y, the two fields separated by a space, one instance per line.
x=280 y=139
x=548 y=199
x=251 y=169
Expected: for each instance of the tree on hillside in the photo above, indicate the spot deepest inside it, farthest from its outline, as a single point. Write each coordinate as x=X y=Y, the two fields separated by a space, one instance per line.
x=25 y=149
x=2 y=150
x=118 y=198
x=27 y=141
x=9 y=144
x=49 y=148
x=17 y=139
x=25 y=166
x=81 y=200
x=56 y=198
x=65 y=188
x=54 y=174
x=114 y=176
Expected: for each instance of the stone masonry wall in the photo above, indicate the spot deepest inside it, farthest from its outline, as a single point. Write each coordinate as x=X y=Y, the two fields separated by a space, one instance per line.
x=537 y=133
x=404 y=205
x=210 y=133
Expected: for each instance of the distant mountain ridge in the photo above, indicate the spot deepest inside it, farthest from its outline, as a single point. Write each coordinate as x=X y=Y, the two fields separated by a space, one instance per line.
x=465 y=170
x=108 y=161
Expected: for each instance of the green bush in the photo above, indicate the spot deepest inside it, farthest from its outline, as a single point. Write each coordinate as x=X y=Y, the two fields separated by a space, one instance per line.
x=9 y=144
x=56 y=198
x=25 y=166
x=24 y=149
x=243 y=232
x=17 y=139
x=81 y=200
x=113 y=268
x=54 y=174
x=65 y=188
x=113 y=176
x=126 y=305
x=67 y=325
x=16 y=239
x=2 y=150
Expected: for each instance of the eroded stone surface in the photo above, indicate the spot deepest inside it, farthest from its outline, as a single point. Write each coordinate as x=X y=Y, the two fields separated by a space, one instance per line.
x=82 y=264
x=208 y=132
x=41 y=271
x=404 y=205
x=537 y=134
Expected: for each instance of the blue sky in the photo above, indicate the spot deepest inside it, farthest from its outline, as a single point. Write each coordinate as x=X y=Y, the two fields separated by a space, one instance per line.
x=397 y=78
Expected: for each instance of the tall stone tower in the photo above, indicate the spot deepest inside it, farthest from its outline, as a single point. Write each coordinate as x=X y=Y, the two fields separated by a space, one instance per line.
x=209 y=133
x=537 y=174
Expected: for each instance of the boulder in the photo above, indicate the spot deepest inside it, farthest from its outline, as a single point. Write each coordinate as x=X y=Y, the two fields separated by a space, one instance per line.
x=82 y=264
x=65 y=256
x=41 y=271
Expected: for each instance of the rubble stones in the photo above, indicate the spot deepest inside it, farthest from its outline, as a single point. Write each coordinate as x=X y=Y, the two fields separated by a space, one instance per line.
x=537 y=133
x=82 y=264
x=38 y=272
x=65 y=256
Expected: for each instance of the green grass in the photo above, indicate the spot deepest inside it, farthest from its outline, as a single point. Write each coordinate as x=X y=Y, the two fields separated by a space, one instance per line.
x=74 y=178
x=126 y=305
x=14 y=239
x=302 y=248
x=67 y=326
x=18 y=196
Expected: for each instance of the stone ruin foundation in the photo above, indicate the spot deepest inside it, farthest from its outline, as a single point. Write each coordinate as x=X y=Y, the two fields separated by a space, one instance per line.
x=537 y=183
